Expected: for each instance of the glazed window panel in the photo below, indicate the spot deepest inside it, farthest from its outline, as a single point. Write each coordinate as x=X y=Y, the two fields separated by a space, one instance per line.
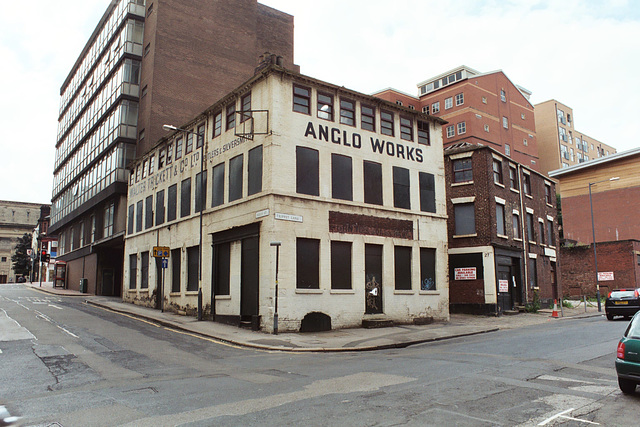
x=406 y=128
x=307 y=171
x=231 y=116
x=341 y=265
x=530 y=229
x=513 y=178
x=462 y=170
x=401 y=188
x=185 y=197
x=526 y=184
x=341 y=177
x=236 y=165
x=423 y=133
x=178 y=148
x=301 y=99
x=172 y=202
x=255 y=170
x=131 y=218
x=307 y=263
x=200 y=136
x=347 y=112
x=368 y=118
x=189 y=146
x=386 y=123
x=245 y=107
x=516 y=226
x=217 y=124
x=497 y=171
x=325 y=106
x=372 y=182
x=402 y=264
x=201 y=191
x=217 y=186
x=427 y=192
x=500 y=219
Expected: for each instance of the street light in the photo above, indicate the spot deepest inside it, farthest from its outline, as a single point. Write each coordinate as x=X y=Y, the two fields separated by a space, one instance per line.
x=593 y=230
x=275 y=314
x=202 y=191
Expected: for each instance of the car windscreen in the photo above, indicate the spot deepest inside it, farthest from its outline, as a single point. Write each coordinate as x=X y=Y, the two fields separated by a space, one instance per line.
x=622 y=294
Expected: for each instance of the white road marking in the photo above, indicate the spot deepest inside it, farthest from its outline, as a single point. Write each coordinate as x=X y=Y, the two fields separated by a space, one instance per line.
x=11 y=330
x=562 y=415
x=55 y=306
x=72 y=334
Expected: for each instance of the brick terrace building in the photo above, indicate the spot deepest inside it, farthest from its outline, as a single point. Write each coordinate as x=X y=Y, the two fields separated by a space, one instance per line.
x=351 y=185
x=560 y=144
x=481 y=108
x=146 y=64
x=503 y=231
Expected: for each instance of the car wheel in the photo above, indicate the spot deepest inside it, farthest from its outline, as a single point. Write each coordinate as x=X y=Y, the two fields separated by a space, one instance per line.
x=627 y=386
x=609 y=316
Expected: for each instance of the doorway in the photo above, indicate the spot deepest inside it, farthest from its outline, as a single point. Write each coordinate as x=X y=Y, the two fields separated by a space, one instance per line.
x=373 y=279
x=249 y=278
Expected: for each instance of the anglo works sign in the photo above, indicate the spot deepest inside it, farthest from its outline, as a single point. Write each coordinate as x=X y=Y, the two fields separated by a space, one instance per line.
x=464 y=273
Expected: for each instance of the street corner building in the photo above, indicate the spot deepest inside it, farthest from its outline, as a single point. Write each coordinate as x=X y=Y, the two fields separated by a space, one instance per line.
x=503 y=232
x=319 y=204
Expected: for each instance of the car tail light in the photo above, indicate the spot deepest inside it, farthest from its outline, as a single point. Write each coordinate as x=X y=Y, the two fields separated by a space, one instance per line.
x=636 y=293
x=620 y=353
x=609 y=295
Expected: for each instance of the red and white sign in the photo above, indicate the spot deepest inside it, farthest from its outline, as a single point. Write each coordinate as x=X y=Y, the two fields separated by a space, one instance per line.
x=605 y=275
x=464 y=273
x=503 y=286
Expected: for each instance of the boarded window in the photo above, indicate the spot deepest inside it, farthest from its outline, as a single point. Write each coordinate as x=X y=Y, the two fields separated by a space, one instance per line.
x=402 y=261
x=340 y=265
x=144 y=270
x=160 y=207
x=185 y=198
x=175 y=269
x=133 y=270
x=235 y=178
x=341 y=177
x=193 y=259
x=307 y=263
x=217 y=186
x=255 y=170
x=427 y=269
x=465 y=219
x=131 y=218
x=401 y=189
x=222 y=270
x=139 y=216
x=307 y=171
x=427 y=192
x=172 y=202
x=201 y=191
x=372 y=183
x=148 y=212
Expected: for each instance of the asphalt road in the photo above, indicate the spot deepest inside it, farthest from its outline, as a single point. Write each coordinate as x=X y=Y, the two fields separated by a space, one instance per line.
x=66 y=362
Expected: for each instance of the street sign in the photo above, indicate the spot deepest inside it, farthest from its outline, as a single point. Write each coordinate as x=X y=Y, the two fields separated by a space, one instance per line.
x=165 y=263
x=161 y=251
x=605 y=275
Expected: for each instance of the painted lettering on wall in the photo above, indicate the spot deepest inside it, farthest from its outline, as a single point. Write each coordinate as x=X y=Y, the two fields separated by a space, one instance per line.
x=354 y=140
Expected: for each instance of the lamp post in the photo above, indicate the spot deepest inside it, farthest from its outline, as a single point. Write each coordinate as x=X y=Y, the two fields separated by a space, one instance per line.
x=593 y=231
x=275 y=314
x=202 y=190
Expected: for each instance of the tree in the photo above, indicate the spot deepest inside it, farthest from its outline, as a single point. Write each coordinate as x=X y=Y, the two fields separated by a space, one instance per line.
x=21 y=261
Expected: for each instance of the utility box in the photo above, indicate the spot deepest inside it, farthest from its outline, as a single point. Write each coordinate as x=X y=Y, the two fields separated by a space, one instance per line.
x=83 y=285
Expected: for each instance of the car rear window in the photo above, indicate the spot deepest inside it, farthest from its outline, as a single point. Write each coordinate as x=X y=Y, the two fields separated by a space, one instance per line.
x=633 y=331
x=622 y=294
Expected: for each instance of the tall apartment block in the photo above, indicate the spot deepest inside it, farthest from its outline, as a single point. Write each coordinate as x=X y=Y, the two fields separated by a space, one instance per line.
x=481 y=108
x=560 y=144
x=147 y=63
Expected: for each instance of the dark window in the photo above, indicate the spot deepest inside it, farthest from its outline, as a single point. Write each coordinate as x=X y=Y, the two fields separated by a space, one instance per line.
x=201 y=191
x=427 y=269
x=217 y=124
x=148 y=212
x=307 y=171
x=386 y=123
x=231 y=116
x=372 y=183
x=245 y=105
x=200 y=138
x=301 y=99
x=347 y=112
x=169 y=153
x=516 y=226
x=547 y=194
x=222 y=268
x=401 y=189
x=465 y=219
x=131 y=219
x=192 y=268
x=341 y=177
x=160 y=207
x=175 y=269
x=133 y=270
x=172 y=202
x=235 y=178
x=497 y=171
x=402 y=260
x=526 y=184
x=217 y=186
x=340 y=265
x=189 y=146
x=500 y=219
x=551 y=238
x=423 y=133
x=462 y=170
x=185 y=198
x=178 y=148
x=325 y=106
x=255 y=170
x=533 y=273
x=531 y=236
x=368 y=118
x=406 y=128
x=139 y=216
x=513 y=178
x=541 y=232
x=144 y=270
x=307 y=263
x=427 y=192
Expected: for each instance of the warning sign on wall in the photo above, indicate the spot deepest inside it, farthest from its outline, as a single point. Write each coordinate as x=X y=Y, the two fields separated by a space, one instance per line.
x=503 y=286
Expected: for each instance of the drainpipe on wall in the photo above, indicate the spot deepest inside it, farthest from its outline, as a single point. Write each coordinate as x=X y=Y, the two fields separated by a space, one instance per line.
x=525 y=238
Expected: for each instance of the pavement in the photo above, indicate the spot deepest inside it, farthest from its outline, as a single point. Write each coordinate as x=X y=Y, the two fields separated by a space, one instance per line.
x=340 y=340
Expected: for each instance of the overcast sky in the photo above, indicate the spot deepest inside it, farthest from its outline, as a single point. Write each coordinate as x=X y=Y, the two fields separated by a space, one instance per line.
x=585 y=54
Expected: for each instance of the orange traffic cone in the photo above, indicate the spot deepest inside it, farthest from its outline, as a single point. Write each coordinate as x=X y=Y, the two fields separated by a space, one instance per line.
x=555 y=308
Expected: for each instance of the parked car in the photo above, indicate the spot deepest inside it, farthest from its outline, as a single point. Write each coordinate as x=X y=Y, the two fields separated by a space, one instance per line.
x=622 y=302
x=21 y=279
x=628 y=357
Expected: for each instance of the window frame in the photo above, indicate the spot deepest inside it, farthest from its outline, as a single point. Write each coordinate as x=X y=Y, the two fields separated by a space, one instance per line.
x=326 y=101
x=347 y=114
x=370 y=123
x=387 y=122
x=464 y=171
x=301 y=102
